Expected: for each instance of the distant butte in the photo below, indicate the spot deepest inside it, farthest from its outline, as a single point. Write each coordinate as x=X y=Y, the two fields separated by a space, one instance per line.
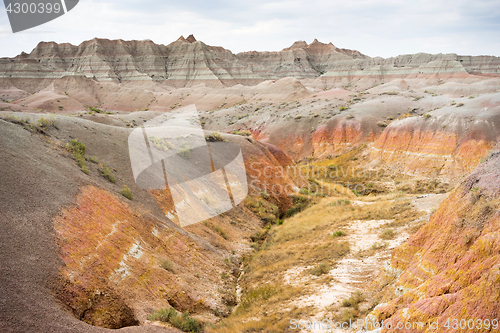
x=188 y=61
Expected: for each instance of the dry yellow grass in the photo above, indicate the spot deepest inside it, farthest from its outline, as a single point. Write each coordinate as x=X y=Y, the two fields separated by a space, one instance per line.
x=304 y=240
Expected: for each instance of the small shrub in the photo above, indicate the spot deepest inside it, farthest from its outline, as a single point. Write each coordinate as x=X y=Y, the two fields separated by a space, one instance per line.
x=342 y=108
x=379 y=245
x=381 y=124
x=91 y=109
x=353 y=301
x=184 y=151
x=221 y=232
x=125 y=191
x=243 y=133
x=161 y=143
x=106 y=173
x=167 y=265
x=76 y=147
x=348 y=315
x=217 y=229
x=77 y=150
x=215 y=137
x=338 y=233
x=426 y=116
x=387 y=234
x=320 y=269
x=185 y=322
x=60 y=107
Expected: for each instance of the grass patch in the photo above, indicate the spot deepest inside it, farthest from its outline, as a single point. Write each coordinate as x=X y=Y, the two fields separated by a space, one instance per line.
x=77 y=150
x=215 y=137
x=184 y=151
x=167 y=265
x=320 y=269
x=106 y=172
x=242 y=133
x=161 y=143
x=388 y=234
x=338 y=233
x=217 y=229
x=262 y=206
x=125 y=191
x=184 y=322
x=354 y=300
x=41 y=125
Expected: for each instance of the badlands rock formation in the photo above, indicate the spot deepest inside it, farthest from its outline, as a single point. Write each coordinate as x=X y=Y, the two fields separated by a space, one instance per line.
x=187 y=62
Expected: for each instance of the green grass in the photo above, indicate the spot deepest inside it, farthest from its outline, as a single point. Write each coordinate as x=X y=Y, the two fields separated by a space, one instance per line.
x=242 y=133
x=77 y=150
x=41 y=125
x=105 y=172
x=125 y=191
x=338 y=233
x=185 y=322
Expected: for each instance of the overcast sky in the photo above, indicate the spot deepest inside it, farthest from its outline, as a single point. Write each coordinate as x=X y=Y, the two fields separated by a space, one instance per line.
x=374 y=27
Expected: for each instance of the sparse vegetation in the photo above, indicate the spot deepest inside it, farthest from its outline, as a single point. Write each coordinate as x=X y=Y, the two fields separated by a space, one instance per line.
x=77 y=150
x=184 y=151
x=41 y=125
x=167 y=265
x=125 y=191
x=242 y=133
x=185 y=322
x=353 y=301
x=387 y=234
x=217 y=229
x=93 y=110
x=106 y=172
x=161 y=143
x=338 y=233
x=215 y=137
x=320 y=269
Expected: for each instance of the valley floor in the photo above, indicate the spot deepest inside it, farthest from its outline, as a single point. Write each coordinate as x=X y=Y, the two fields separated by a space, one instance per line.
x=351 y=240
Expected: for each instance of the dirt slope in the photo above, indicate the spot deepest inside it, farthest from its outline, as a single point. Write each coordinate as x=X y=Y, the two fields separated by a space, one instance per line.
x=56 y=219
